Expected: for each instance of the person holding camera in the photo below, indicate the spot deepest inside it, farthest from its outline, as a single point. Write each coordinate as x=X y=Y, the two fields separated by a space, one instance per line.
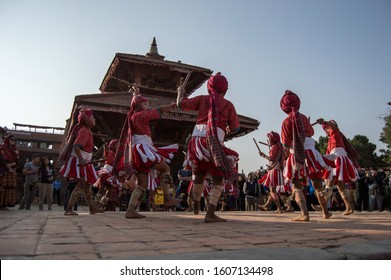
x=31 y=170
x=362 y=191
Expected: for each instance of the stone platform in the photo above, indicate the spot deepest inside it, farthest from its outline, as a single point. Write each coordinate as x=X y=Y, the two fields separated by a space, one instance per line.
x=49 y=235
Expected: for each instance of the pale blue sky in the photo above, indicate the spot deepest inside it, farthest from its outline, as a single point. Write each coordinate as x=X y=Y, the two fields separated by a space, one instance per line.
x=335 y=54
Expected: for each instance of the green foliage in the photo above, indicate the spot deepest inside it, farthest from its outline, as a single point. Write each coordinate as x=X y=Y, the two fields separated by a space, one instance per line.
x=366 y=151
x=321 y=144
x=385 y=137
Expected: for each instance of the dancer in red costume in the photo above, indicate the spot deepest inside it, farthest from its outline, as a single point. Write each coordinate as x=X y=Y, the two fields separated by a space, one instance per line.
x=77 y=154
x=274 y=177
x=109 y=185
x=344 y=156
x=140 y=154
x=303 y=160
x=9 y=159
x=207 y=153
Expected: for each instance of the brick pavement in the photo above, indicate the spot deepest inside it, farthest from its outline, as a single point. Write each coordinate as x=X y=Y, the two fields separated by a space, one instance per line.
x=50 y=235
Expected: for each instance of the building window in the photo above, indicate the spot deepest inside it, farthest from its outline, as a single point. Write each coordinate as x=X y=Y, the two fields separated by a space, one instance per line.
x=43 y=145
x=27 y=144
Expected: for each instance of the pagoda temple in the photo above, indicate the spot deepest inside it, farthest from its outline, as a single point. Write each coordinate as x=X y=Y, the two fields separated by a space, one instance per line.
x=158 y=80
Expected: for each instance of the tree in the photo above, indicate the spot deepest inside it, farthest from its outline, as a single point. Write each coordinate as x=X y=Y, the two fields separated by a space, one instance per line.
x=321 y=144
x=366 y=150
x=385 y=137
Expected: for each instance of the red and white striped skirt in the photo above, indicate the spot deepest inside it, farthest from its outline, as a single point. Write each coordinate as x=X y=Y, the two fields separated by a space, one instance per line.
x=286 y=188
x=71 y=168
x=344 y=170
x=145 y=154
x=315 y=163
x=273 y=178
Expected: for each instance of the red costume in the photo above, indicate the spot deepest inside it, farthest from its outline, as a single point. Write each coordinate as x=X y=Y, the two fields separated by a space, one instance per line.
x=141 y=156
x=9 y=157
x=274 y=177
x=136 y=134
x=296 y=134
x=81 y=136
x=77 y=154
x=345 y=158
x=207 y=152
x=206 y=149
x=108 y=184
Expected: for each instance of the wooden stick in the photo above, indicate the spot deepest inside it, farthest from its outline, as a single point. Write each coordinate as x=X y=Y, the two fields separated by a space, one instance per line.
x=263 y=143
x=183 y=85
x=186 y=79
x=259 y=150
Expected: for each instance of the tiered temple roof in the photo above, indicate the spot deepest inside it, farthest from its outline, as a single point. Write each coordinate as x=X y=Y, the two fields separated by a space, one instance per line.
x=158 y=80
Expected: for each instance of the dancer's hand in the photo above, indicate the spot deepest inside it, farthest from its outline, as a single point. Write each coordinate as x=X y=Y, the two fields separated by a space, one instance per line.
x=320 y=121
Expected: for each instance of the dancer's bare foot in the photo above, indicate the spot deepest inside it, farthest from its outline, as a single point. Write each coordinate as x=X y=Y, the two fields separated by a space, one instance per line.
x=70 y=213
x=262 y=207
x=301 y=218
x=348 y=211
x=133 y=215
x=327 y=215
x=278 y=211
x=213 y=219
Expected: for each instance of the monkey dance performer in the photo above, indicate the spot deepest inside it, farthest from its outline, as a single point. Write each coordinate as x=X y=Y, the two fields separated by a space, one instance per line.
x=274 y=177
x=207 y=153
x=109 y=185
x=77 y=155
x=9 y=160
x=140 y=154
x=345 y=157
x=303 y=160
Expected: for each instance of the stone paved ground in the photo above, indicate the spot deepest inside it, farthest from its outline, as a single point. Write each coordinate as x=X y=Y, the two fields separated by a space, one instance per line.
x=49 y=235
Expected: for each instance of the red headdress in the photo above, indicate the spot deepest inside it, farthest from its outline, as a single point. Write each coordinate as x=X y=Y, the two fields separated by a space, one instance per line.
x=217 y=84
x=273 y=137
x=84 y=119
x=125 y=140
x=217 y=87
x=290 y=104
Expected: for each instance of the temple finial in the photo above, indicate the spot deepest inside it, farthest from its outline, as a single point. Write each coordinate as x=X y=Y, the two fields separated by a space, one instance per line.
x=153 y=52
